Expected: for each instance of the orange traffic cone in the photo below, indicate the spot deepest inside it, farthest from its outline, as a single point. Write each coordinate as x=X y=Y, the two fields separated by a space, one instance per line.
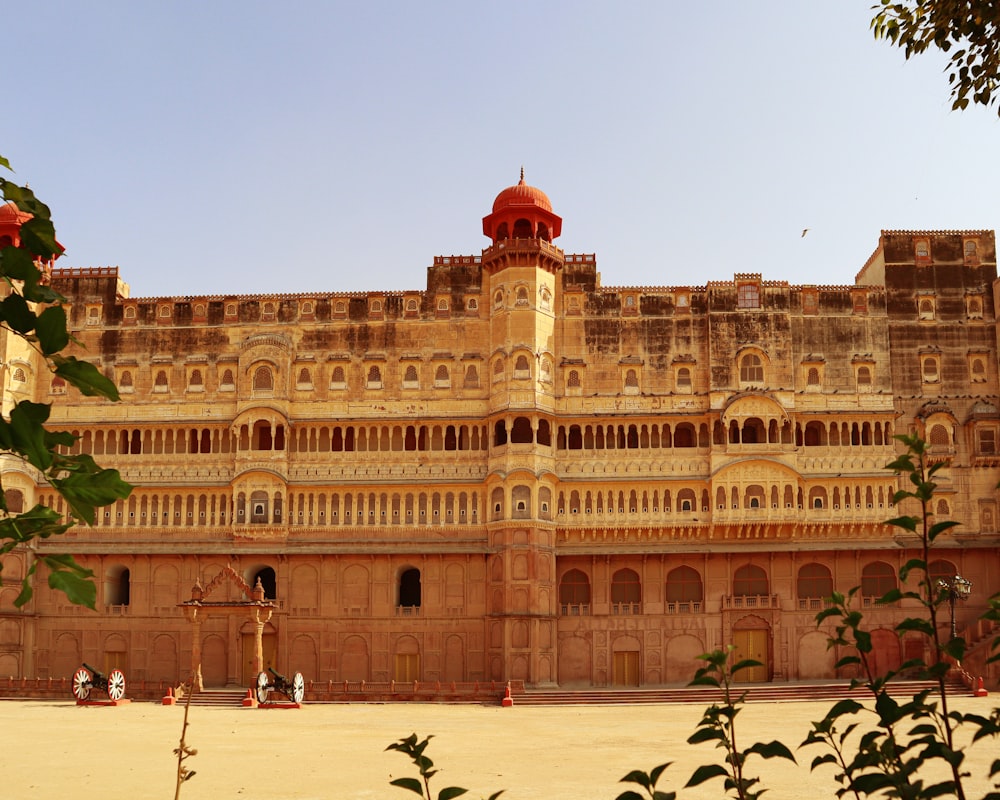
x=508 y=701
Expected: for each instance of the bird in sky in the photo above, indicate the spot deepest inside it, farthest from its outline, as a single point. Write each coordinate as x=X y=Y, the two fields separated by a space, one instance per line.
x=804 y=232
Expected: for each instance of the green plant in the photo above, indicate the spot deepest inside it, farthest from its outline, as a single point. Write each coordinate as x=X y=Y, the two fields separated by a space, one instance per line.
x=413 y=748
x=906 y=735
x=966 y=29
x=33 y=311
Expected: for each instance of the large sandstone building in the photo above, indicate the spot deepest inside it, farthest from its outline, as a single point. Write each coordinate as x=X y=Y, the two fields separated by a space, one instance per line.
x=516 y=472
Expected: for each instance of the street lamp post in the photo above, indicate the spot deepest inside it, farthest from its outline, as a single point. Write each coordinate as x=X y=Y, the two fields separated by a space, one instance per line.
x=955 y=588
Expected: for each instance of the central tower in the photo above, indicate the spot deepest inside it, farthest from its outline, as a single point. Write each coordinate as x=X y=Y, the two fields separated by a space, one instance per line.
x=522 y=268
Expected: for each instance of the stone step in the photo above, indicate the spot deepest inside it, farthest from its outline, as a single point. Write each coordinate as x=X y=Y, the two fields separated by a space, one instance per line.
x=755 y=693
x=228 y=698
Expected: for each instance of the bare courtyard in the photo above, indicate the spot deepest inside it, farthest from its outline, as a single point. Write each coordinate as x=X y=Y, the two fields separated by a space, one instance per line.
x=337 y=751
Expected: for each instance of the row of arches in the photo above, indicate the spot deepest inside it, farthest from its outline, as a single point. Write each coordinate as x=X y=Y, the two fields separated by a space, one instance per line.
x=266 y=434
x=752 y=430
x=154 y=509
x=684 y=591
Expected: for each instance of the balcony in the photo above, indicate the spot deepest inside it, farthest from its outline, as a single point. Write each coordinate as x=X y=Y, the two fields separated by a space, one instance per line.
x=574 y=610
x=750 y=601
x=685 y=607
x=625 y=609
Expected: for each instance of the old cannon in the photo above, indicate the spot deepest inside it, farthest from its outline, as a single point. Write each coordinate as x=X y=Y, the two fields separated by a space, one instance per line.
x=293 y=689
x=87 y=678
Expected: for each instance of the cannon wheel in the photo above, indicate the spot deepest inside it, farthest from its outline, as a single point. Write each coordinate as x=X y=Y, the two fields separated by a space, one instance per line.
x=298 y=687
x=116 y=684
x=262 y=687
x=81 y=684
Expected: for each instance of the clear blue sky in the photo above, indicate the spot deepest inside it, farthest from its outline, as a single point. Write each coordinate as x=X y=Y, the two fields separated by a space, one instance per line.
x=251 y=147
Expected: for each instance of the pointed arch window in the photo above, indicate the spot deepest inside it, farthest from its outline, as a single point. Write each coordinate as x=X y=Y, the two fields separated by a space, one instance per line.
x=263 y=379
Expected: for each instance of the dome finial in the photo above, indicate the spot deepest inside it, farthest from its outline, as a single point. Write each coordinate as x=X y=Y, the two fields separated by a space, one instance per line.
x=522 y=173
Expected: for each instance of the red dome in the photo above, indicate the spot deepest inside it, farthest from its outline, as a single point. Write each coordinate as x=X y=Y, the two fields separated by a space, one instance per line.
x=10 y=214
x=521 y=195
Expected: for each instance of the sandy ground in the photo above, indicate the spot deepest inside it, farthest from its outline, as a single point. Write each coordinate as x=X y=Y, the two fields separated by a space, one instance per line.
x=59 y=750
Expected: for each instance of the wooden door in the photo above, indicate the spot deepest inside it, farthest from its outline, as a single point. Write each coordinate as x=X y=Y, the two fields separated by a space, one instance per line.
x=269 y=643
x=626 y=669
x=751 y=644
x=407 y=667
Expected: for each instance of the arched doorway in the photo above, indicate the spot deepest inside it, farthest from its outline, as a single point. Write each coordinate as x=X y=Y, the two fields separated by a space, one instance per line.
x=626 y=669
x=248 y=651
x=752 y=641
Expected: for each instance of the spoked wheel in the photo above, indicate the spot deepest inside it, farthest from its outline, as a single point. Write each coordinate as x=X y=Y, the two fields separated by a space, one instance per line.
x=116 y=684
x=81 y=684
x=262 y=687
x=298 y=687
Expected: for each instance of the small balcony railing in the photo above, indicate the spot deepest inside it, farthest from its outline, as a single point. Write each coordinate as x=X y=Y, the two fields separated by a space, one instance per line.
x=575 y=609
x=685 y=607
x=625 y=609
x=757 y=601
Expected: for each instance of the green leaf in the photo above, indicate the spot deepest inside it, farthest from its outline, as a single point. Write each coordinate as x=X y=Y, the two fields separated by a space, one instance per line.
x=409 y=783
x=706 y=772
x=773 y=749
x=85 y=377
x=26 y=424
x=18 y=265
x=79 y=590
x=15 y=312
x=450 y=792
x=39 y=236
x=51 y=330
x=637 y=776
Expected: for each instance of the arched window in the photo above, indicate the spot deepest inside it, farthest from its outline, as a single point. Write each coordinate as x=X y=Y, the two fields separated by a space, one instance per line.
x=750 y=581
x=268 y=580
x=227 y=380
x=471 y=377
x=684 y=380
x=262 y=379
x=18 y=375
x=684 y=591
x=14 y=498
x=574 y=593
x=442 y=378
x=626 y=592
x=813 y=378
x=409 y=588
x=573 y=380
x=939 y=436
x=751 y=369
x=929 y=370
x=940 y=570
x=864 y=378
x=521 y=368
x=521 y=297
x=160 y=384
x=877 y=578
x=814 y=584
x=196 y=381
x=410 y=376
x=338 y=379
x=631 y=380
x=374 y=377
x=305 y=379
x=118 y=587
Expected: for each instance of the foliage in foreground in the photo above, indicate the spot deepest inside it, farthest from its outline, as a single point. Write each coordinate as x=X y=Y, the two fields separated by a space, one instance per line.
x=965 y=29
x=879 y=748
x=33 y=311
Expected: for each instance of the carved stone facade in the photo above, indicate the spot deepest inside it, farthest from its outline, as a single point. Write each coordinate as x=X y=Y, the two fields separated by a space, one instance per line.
x=516 y=473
